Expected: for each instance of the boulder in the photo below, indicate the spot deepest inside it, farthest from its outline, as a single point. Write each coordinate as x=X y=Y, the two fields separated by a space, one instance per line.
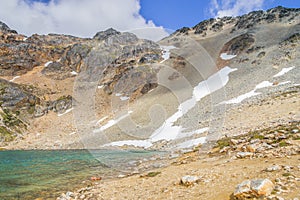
x=189 y=180
x=253 y=189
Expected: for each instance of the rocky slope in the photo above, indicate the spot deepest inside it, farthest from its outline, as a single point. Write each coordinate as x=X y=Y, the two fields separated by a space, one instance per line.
x=258 y=165
x=140 y=84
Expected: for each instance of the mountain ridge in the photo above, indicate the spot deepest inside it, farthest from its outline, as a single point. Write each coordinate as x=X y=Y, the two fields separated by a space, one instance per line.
x=46 y=67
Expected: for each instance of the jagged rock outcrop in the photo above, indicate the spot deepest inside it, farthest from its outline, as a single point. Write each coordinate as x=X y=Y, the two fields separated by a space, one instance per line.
x=15 y=97
x=103 y=35
x=4 y=28
x=238 y=44
x=247 y=21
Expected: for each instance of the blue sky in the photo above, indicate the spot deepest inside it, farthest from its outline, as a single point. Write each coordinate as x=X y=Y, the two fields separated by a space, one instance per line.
x=147 y=18
x=174 y=14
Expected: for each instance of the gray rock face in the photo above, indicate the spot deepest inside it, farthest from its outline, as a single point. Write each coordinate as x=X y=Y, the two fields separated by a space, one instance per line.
x=5 y=28
x=14 y=97
x=59 y=106
x=239 y=44
x=103 y=35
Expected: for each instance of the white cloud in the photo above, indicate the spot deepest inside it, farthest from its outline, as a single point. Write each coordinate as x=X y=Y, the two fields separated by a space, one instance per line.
x=221 y=8
x=76 y=17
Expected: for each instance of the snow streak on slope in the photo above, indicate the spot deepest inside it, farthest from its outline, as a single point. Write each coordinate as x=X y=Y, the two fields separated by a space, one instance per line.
x=225 y=56
x=170 y=132
x=14 y=78
x=252 y=93
x=283 y=71
x=111 y=123
x=166 y=52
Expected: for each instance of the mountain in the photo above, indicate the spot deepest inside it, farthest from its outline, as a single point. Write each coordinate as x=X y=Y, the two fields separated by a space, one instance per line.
x=221 y=77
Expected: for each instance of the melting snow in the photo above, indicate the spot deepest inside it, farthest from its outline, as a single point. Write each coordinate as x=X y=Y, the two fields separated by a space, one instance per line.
x=48 y=63
x=252 y=93
x=215 y=82
x=100 y=86
x=283 y=71
x=170 y=132
x=166 y=52
x=67 y=111
x=241 y=98
x=111 y=123
x=14 y=78
x=118 y=95
x=263 y=85
x=225 y=56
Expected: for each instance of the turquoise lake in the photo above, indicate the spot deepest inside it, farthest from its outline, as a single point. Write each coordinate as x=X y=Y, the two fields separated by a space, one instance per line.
x=46 y=174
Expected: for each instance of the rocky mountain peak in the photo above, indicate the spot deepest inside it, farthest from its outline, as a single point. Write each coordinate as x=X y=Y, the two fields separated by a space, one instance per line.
x=247 y=21
x=5 y=28
x=103 y=35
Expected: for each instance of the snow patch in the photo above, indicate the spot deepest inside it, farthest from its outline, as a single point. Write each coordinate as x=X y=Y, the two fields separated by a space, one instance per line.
x=263 y=84
x=252 y=93
x=48 y=63
x=215 y=82
x=285 y=82
x=225 y=56
x=118 y=95
x=170 y=132
x=284 y=71
x=14 y=78
x=241 y=98
x=166 y=52
x=111 y=123
x=100 y=86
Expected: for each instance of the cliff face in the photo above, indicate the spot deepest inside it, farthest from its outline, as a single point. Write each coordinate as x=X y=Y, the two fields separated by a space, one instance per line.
x=38 y=73
x=59 y=58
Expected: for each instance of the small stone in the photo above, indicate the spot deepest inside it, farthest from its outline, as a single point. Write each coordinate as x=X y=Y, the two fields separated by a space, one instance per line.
x=251 y=148
x=189 y=180
x=254 y=141
x=234 y=142
x=69 y=194
x=244 y=154
x=269 y=136
x=273 y=168
x=121 y=176
x=295 y=131
x=82 y=196
x=287 y=168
